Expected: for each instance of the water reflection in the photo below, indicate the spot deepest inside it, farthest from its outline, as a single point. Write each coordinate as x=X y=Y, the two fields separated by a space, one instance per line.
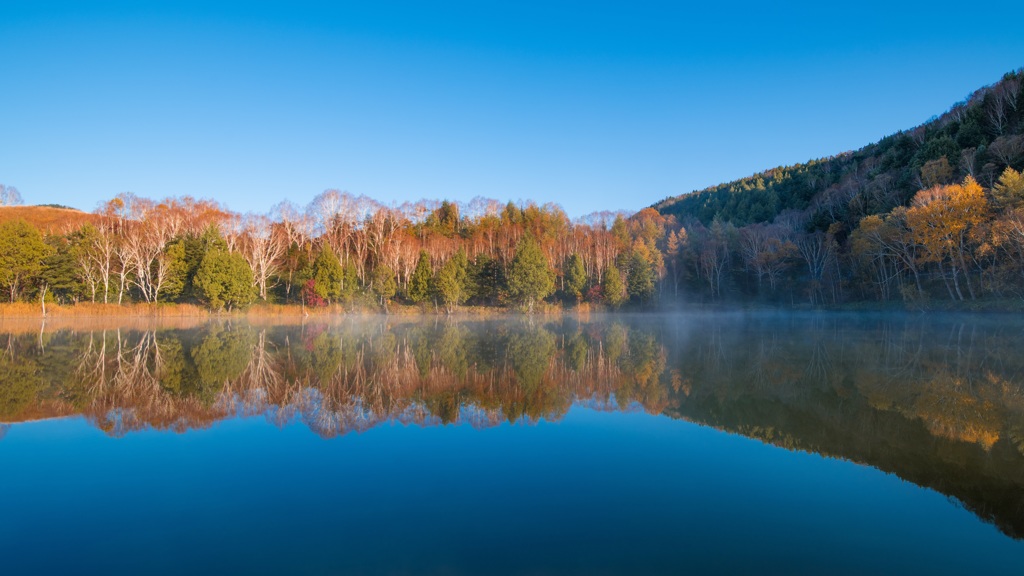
x=938 y=402
x=334 y=378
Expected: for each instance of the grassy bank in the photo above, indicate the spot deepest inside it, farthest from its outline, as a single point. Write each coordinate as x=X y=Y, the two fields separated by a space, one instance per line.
x=25 y=310
x=85 y=310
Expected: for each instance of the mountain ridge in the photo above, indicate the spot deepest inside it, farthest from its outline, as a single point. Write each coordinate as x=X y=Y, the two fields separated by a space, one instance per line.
x=977 y=136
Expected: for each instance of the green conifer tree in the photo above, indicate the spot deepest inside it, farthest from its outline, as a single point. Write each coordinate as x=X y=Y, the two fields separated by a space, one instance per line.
x=575 y=277
x=640 y=281
x=452 y=282
x=22 y=251
x=327 y=275
x=382 y=282
x=612 y=287
x=530 y=279
x=419 y=284
x=224 y=280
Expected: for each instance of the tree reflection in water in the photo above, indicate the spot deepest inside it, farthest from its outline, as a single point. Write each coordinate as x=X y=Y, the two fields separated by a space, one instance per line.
x=938 y=402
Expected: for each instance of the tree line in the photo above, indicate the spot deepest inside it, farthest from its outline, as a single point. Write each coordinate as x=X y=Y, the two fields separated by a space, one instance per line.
x=959 y=241
x=340 y=249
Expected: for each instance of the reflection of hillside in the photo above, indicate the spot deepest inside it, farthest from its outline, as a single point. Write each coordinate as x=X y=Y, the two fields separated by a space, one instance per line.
x=945 y=416
x=941 y=405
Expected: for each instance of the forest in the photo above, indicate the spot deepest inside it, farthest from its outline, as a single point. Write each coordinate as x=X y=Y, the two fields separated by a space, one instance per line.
x=930 y=216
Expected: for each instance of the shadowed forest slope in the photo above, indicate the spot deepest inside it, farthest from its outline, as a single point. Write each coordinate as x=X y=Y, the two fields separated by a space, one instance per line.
x=977 y=137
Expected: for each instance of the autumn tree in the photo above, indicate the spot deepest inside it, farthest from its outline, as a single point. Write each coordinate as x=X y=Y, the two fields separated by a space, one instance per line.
x=936 y=172
x=1007 y=149
x=767 y=251
x=674 y=249
x=81 y=243
x=1007 y=237
x=444 y=220
x=262 y=247
x=869 y=245
x=145 y=241
x=99 y=253
x=710 y=251
x=941 y=220
x=818 y=250
x=1008 y=192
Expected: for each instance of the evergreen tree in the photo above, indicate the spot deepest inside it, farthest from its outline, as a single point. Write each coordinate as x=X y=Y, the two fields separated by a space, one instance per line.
x=452 y=282
x=21 y=256
x=640 y=281
x=419 y=284
x=327 y=275
x=530 y=279
x=349 y=282
x=612 y=287
x=220 y=357
x=382 y=282
x=445 y=220
x=59 y=277
x=224 y=280
x=195 y=248
x=177 y=270
x=487 y=280
x=575 y=277
x=296 y=271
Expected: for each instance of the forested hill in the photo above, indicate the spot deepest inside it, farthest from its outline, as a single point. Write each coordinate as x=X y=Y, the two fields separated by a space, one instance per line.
x=48 y=218
x=977 y=137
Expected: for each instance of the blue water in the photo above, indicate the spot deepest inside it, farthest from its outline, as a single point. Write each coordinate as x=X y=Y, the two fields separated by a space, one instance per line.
x=593 y=493
x=694 y=444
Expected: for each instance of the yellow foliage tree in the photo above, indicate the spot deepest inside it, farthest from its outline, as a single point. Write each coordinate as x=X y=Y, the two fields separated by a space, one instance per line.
x=1009 y=190
x=941 y=220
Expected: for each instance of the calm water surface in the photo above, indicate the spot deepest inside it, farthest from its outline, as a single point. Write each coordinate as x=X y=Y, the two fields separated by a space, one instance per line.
x=709 y=443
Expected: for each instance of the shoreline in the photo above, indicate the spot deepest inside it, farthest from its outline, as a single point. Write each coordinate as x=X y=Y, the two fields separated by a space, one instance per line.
x=89 y=312
x=25 y=310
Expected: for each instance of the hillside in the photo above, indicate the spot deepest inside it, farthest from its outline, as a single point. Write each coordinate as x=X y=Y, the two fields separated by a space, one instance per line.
x=47 y=218
x=977 y=137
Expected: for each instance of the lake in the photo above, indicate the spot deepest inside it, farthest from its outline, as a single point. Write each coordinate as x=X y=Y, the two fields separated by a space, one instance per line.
x=717 y=443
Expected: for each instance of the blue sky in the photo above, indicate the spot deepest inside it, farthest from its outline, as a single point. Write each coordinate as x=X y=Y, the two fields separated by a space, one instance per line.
x=593 y=105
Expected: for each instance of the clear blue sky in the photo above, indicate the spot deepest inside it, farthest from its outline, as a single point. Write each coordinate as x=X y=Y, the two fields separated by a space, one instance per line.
x=593 y=105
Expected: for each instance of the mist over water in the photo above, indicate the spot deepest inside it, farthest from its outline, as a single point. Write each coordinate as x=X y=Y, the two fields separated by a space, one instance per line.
x=711 y=442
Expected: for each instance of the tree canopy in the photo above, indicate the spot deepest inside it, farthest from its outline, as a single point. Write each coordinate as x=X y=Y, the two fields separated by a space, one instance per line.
x=530 y=279
x=224 y=280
